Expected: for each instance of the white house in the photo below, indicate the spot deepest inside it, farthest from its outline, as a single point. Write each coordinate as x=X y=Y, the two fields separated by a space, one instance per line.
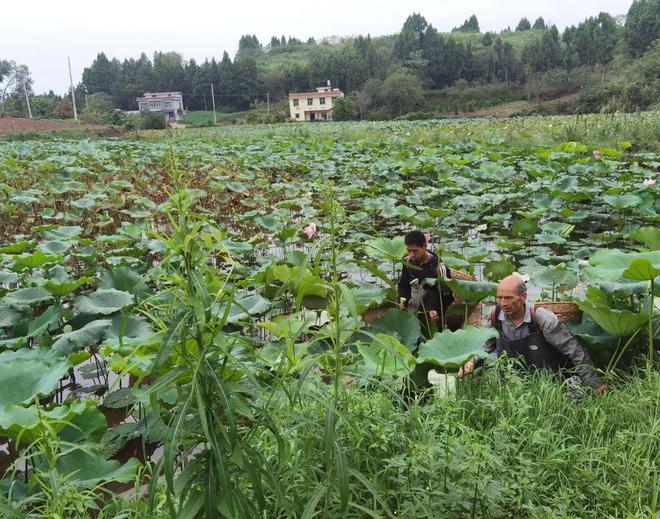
x=314 y=106
x=169 y=103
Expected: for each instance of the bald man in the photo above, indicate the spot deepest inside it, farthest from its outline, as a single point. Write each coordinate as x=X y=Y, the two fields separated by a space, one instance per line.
x=535 y=335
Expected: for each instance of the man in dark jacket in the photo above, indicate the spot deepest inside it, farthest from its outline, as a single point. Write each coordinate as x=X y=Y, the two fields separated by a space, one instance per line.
x=413 y=291
x=535 y=336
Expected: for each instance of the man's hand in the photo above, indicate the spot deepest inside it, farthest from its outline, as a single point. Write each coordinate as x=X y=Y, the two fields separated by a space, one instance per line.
x=434 y=315
x=600 y=389
x=467 y=368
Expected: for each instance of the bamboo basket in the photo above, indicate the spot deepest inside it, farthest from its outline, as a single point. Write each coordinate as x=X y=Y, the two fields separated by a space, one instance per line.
x=463 y=276
x=564 y=310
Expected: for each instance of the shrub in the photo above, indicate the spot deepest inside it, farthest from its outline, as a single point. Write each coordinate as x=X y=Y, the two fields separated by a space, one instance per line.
x=152 y=121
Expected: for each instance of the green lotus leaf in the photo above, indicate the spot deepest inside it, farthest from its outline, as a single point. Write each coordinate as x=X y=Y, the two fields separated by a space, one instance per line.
x=103 y=302
x=67 y=286
x=526 y=227
x=387 y=356
x=36 y=260
x=499 y=269
x=554 y=278
x=47 y=321
x=611 y=264
x=650 y=236
x=55 y=246
x=124 y=279
x=592 y=335
x=550 y=238
x=401 y=324
x=64 y=232
x=88 y=335
x=17 y=247
x=25 y=297
x=268 y=222
x=27 y=373
x=243 y=306
x=451 y=350
x=470 y=291
x=287 y=325
x=622 y=201
x=29 y=423
x=132 y=330
x=643 y=269
x=7 y=277
x=623 y=288
x=87 y=469
x=619 y=323
x=367 y=296
x=9 y=316
x=404 y=211
x=88 y=426
x=387 y=249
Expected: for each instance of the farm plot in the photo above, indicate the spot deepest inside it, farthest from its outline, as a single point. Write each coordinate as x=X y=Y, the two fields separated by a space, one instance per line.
x=205 y=296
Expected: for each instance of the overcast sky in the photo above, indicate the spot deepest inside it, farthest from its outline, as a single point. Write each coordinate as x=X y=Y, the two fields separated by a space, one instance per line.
x=42 y=33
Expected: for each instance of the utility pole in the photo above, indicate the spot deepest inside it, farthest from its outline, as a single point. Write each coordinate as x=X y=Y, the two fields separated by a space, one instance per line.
x=73 y=95
x=215 y=119
x=268 y=101
x=27 y=100
x=86 y=102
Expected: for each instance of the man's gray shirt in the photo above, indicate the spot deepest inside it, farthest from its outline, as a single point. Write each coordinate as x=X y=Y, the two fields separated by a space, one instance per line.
x=556 y=335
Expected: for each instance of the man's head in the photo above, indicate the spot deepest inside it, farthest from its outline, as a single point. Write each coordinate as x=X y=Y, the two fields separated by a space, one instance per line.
x=416 y=244
x=511 y=296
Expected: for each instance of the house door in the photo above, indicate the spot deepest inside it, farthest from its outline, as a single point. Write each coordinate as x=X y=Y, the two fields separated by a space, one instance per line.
x=312 y=116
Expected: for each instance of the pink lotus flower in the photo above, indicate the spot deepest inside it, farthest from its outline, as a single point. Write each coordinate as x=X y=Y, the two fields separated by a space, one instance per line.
x=649 y=182
x=310 y=230
x=596 y=155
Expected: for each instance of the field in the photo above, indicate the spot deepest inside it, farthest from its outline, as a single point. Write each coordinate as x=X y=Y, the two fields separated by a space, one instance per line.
x=182 y=319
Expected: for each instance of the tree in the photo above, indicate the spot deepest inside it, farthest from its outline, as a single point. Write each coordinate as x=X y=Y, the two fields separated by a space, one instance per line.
x=14 y=81
x=469 y=25
x=410 y=38
x=101 y=75
x=344 y=109
x=487 y=39
x=401 y=92
x=523 y=25
x=544 y=53
x=168 y=72
x=642 y=26
x=539 y=23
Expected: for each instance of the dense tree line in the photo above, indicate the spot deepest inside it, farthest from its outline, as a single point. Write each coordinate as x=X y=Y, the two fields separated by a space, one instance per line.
x=371 y=69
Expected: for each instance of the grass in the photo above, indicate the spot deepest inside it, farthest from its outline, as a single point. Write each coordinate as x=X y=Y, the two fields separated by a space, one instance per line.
x=205 y=118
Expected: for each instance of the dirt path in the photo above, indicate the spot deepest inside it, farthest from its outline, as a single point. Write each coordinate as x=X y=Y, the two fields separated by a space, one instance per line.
x=15 y=125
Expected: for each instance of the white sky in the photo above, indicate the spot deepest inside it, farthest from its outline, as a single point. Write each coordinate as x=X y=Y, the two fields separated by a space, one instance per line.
x=42 y=33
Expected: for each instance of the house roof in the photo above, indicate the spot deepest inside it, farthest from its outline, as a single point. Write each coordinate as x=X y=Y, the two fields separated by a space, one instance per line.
x=304 y=95
x=159 y=98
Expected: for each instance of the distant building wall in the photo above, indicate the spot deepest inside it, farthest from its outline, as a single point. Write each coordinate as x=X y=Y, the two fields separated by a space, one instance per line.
x=313 y=106
x=169 y=103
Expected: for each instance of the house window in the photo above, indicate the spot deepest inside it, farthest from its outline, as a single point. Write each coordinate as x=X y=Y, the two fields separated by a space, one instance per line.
x=297 y=116
x=322 y=101
x=310 y=101
x=295 y=102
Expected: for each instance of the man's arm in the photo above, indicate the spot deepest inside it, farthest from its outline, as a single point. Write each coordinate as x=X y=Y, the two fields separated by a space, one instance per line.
x=403 y=288
x=556 y=334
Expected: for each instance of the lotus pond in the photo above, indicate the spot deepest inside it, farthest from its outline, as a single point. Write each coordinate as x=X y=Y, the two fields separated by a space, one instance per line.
x=182 y=319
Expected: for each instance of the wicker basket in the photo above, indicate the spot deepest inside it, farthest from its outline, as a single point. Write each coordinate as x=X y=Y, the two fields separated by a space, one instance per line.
x=457 y=274
x=564 y=310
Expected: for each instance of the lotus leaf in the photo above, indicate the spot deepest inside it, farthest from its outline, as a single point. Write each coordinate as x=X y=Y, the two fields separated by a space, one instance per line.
x=611 y=264
x=133 y=330
x=619 y=323
x=400 y=323
x=36 y=260
x=553 y=278
x=28 y=423
x=499 y=269
x=103 y=302
x=88 y=335
x=46 y=322
x=27 y=373
x=650 y=236
x=387 y=249
x=25 y=297
x=86 y=468
x=387 y=356
x=451 y=350
x=8 y=316
x=470 y=291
